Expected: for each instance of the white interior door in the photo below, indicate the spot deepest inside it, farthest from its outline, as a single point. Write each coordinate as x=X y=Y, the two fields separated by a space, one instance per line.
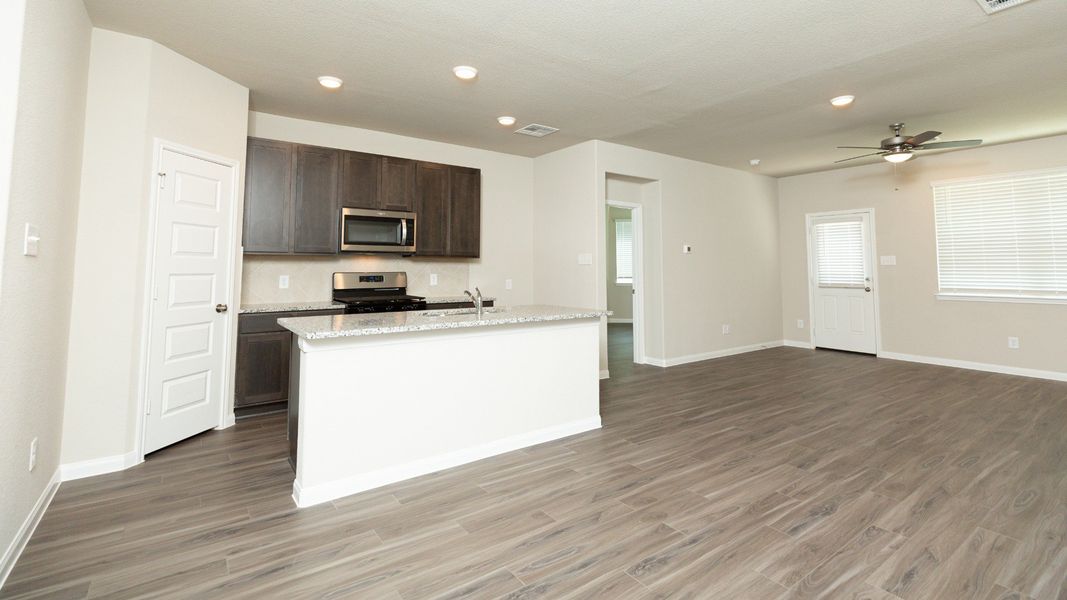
x=192 y=268
x=841 y=255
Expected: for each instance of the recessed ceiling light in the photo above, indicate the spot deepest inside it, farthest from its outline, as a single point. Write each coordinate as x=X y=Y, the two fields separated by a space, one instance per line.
x=754 y=162
x=330 y=82
x=841 y=101
x=465 y=72
x=506 y=121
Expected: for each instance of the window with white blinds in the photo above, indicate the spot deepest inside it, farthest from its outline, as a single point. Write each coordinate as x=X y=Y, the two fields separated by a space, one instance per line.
x=624 y=252
x=839 y=253
x=1003 y=237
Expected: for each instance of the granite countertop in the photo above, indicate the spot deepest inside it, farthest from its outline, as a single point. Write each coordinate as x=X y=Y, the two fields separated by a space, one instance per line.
x=289 y=307
x=323 y=327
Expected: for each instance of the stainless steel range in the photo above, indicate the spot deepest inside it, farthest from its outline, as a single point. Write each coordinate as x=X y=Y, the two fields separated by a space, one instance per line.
x=375 y=292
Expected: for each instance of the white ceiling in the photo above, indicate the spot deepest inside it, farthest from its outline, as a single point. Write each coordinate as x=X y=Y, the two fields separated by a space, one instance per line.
x=716 y=81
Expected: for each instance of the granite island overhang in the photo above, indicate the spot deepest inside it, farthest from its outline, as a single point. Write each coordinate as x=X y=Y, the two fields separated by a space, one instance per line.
x=380 y=398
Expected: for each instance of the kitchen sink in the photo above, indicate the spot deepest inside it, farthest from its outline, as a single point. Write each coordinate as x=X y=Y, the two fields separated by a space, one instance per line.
x=433 y=314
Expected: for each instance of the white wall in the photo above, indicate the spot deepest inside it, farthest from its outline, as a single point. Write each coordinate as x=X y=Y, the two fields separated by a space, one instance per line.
x=620 y=296
x=138 y=91
x=913 y=321
x=565 y=220
x=729 y=216
x=506 y=235
x=43 y=186
x=12 y=19
x=730 y=219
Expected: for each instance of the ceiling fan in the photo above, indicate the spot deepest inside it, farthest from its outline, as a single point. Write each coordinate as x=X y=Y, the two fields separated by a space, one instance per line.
x=899 y=148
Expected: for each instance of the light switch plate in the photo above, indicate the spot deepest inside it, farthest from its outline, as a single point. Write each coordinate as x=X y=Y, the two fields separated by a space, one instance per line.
x=888 y=260
x=1013 y=343
x=433 y=278
x=507 y=284
x=585 y=259
x=800 y=323
x=31 y=241
x=283 y=282
x=687 y=249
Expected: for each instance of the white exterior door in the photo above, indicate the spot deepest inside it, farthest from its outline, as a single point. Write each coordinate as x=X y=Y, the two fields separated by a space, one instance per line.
x=192 y=267
x=841 y=255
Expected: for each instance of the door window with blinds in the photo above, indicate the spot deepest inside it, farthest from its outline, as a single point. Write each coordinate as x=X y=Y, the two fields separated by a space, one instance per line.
x=840 y=253
x=1003 y=237
x=624 y=252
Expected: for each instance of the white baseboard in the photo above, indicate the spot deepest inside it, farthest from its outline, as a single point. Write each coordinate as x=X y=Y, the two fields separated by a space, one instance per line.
x=796 y=344
x=230 y=421
x=98 y=466
x=325 y=492
x=690 y=358
x=604 y=374
x=619 y=320
x=22 y=536
x=976 y=366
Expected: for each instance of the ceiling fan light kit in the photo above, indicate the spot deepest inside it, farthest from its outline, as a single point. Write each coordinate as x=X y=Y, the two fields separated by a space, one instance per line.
x=899 y=148
x=898 y=156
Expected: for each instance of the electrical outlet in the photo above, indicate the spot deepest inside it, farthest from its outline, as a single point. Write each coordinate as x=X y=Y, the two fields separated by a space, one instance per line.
x=33 y=453
x=800 y=323
x=507 y=284
x=433 y=278
x=1013 y=343
x=283 y=282
x=726 y=329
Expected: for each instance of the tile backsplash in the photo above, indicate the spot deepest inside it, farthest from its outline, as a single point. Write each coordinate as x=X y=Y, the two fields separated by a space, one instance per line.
x=310 y=277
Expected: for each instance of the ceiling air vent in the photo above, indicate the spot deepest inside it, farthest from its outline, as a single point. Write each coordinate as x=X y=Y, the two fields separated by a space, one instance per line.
x=992 y=6
x=536 y=130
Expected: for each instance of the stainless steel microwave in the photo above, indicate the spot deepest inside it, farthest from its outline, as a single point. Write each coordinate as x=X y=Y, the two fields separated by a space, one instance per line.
x=365 y=230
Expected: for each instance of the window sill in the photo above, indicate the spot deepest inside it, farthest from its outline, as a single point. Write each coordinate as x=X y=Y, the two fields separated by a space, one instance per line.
x=996 y=298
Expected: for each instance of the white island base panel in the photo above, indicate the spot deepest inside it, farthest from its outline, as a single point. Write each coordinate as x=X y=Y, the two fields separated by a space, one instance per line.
x=375 y=410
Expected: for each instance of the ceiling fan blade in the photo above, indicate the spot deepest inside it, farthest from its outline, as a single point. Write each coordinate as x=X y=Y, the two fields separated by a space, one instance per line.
x=925 y=136
x=862 y=147
x=860 y=156
x=956 y=144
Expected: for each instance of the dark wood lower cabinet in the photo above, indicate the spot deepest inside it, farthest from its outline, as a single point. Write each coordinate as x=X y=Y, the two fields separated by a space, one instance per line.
x=262 y=368
x=264 y=362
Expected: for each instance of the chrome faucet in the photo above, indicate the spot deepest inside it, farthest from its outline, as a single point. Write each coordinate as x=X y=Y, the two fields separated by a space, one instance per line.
x=477 y=300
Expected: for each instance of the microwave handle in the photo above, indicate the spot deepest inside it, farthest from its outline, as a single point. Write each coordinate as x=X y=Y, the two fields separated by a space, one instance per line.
x=403 y=232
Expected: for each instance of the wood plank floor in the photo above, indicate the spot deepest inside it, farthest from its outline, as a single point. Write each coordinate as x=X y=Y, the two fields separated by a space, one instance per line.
x=781 y=474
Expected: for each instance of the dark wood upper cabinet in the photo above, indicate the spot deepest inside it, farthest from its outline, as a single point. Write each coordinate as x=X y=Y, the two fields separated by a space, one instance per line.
x=294 y=194
x=268 y=196
x=398 y=184
x=316 y=220
x=464 y=214
x=431 y=233
x=361 y=177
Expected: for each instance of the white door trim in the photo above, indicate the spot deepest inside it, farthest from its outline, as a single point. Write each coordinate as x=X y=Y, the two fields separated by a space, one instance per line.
x=809 y=220
x=639 y=275
x=159 y=146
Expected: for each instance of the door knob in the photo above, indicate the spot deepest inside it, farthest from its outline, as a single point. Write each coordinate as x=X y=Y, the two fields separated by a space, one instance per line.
x=866 y=289
x=221 y=308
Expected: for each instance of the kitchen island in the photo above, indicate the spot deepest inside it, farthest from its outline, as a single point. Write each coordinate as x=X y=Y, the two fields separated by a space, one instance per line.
x=380 y=398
